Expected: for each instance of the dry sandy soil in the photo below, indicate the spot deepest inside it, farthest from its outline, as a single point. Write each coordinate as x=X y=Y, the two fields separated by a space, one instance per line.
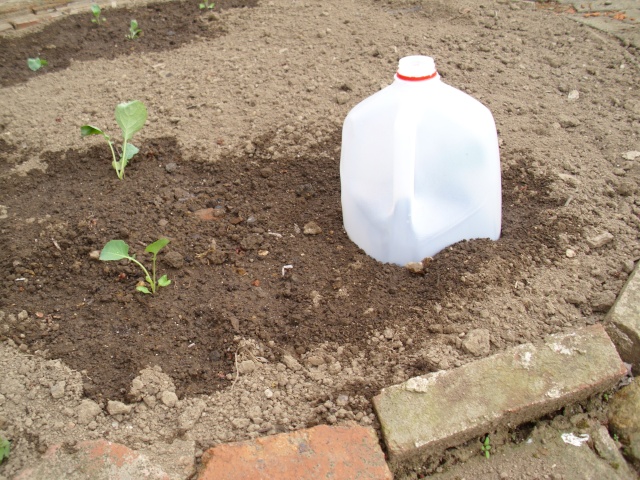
x=238 y=167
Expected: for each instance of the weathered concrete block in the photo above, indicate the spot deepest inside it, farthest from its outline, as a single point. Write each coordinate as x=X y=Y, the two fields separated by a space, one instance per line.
x=319 y=452
x=624 y=418
x=623 y=322
x=430 y=413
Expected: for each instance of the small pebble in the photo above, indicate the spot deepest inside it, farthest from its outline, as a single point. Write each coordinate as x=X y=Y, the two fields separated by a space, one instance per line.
x=600 y=240
x=312 y=228
x=415 y=267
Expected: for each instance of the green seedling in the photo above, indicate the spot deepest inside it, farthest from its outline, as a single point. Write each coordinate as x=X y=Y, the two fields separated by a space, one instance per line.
x=206 y=5
x=131 y=117
x=486 y=447
x=97 y=14
x=5 y=447
x=36 y=64
x=116 y=250
x=134 y=31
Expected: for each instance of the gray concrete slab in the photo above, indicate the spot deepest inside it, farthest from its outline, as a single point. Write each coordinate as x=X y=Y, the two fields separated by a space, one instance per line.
x=430 y=413
x=623 y=322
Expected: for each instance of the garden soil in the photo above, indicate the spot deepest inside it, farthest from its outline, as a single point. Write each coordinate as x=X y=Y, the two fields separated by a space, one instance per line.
x=274 y=320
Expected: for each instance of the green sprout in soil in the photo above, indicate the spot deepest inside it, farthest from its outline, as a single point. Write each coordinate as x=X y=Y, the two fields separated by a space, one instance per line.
x=131 y=117
x=134 y=31
x=5 y=447
x=486 y=447
x=97 y=14
x=206 y=5
x=36 y=64
x=116 y=250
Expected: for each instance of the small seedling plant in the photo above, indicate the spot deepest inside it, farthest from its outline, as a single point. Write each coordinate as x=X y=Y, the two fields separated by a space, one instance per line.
x=36 y=64
x=116 y=250
x=206 y=5
x=131 y=117
x=5 y=448
x=486 y=447
x=97 y=14
x=134 y=31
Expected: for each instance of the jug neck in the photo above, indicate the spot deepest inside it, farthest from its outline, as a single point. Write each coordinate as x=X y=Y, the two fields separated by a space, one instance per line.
x=406 y=78
x=416 y=68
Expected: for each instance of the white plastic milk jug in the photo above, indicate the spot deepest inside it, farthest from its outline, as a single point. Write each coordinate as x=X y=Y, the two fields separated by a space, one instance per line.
x=420 y=168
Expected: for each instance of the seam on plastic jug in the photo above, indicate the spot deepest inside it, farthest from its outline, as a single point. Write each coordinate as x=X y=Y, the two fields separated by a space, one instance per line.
x=415 y=79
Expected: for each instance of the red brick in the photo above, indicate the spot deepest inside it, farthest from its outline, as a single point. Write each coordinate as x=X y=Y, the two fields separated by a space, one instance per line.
x=94 y=459
x=27 y=21
x=318 y=453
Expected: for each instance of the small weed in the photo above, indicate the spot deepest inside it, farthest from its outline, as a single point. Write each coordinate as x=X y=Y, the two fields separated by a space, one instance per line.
x=116 y=250
x=36 y=64
x=206 y=5
x=486 y=447
x=5 y=447
x=134 y=31
x=131 y=117
x=97 y=14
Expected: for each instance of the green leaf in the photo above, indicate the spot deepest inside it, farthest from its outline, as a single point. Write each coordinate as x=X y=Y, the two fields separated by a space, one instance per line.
x=131 y=151
x=95 y=9
x=156 y=246
x=87 y=130
x=35 y=64
x=163 y=281
x=131 y=117
x=115 y=250
x=143 y=289
x=5 y=447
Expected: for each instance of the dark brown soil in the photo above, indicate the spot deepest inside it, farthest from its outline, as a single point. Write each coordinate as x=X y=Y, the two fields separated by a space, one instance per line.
x=164 y=26
x=91 y=316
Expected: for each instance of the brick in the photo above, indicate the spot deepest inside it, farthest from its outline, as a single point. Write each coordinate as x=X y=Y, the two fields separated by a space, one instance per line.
x=98 y=459
x=623 y=321
x=26 y=21
x=41 y=10
x=76 y=7
x=318 y=453
x=428 y=414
